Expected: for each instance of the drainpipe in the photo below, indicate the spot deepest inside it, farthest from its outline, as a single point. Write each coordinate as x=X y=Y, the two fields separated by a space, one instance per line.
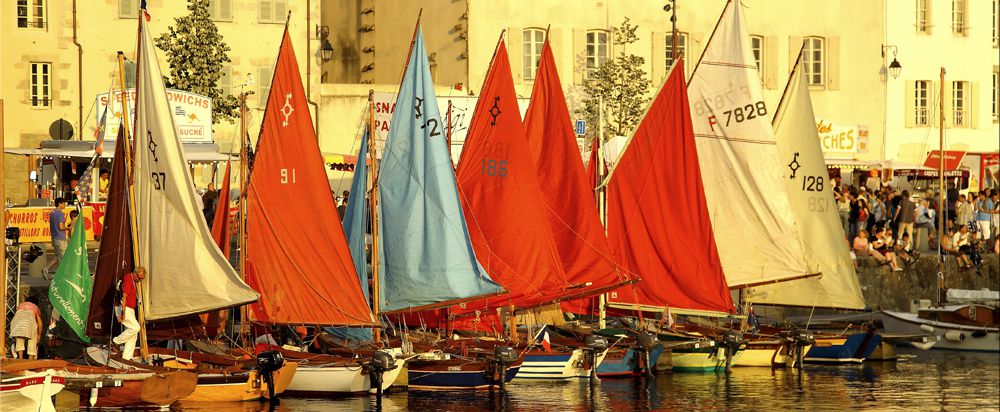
x=309 y=63
x=79 y=76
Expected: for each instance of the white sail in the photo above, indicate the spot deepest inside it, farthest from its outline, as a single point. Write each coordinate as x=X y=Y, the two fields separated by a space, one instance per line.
x=814 y=208
x=186 y=272
x=747 y=200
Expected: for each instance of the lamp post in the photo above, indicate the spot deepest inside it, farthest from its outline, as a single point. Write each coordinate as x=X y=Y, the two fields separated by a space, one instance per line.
x=893 y=69
x=671 y=8
x=325 y=49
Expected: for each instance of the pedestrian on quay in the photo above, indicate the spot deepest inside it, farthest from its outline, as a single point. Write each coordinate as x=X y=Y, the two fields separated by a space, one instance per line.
x=960 y=243
x=126 y=314
x=208 y=201
x=964 y=211
x=58 y=231
x=883 y=251
x=880 y=210
x=906 y=214
x=904 y=250
x=73 y=215
x=342 y=209
x=844 y=207
x=860 y=244
x=995 y=198
x=26 y=328
x=924 y=220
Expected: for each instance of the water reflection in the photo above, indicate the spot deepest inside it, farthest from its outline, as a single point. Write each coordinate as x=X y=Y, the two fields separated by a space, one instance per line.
x=936 y=380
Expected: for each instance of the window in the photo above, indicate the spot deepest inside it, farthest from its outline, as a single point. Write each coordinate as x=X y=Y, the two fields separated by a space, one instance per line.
x=996 y=94
x=597 y=50
x=272 y=11
x=959 y=104
x=921 y=102
x=681 y=48
x=265 y=72
x=221 y=10
x=813 y=60
x=923 y=17
x=128 y=9
x=958 y=16
x=31 y=13
x=41 y=82
x=757 y=45
x=533 y=39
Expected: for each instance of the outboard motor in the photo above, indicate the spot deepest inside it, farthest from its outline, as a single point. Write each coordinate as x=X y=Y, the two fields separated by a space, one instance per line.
x=731 y=341
x=503 y=357
x=380 y=363
x=594 y=345
x=645 y=342
x=797 y=340
x=269 y=362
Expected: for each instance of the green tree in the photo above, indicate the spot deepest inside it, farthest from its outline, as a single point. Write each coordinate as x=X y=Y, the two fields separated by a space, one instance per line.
x=197 y=53
x=623 y=85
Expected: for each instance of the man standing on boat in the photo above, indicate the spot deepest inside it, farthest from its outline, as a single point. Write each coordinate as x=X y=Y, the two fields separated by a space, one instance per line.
x=127 y=316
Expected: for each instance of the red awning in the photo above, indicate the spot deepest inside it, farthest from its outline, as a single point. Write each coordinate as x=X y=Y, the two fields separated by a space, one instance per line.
x=952 y=159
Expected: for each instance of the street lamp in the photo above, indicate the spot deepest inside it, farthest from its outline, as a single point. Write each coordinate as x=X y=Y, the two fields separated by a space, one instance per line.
x=325 y=49
x=671 y=7
x=894 y=67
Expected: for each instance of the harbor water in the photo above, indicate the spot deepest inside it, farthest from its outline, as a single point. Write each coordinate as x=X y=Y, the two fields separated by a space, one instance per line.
x=918 y=381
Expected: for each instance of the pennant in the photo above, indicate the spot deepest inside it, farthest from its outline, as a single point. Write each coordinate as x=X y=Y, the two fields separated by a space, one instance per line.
x=71 y=286
x=546 y=343
x=99 y=132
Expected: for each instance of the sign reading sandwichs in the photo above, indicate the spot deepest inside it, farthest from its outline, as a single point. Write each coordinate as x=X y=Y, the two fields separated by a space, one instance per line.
x=842 y=139
x=192 y=114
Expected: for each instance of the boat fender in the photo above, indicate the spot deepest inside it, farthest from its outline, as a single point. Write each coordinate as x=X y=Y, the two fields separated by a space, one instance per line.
x=927 y=328
x=954 y=336
x=979 y=334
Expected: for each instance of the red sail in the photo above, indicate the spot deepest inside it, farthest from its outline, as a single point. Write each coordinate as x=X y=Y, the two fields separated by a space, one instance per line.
x=501 y=197
x=297 y=256
x=567 y=193
x=658 y=222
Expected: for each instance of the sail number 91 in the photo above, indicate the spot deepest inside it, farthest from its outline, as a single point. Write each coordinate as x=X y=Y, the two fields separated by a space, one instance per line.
x=493 y=167
x=287 y=175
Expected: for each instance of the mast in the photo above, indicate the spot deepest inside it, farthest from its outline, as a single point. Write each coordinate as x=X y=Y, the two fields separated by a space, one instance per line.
x=3 y=215
x=602 y=205
x=940 y=219
x=139 y=307
x=242 y=218
x=373 y=204
x=447 y=135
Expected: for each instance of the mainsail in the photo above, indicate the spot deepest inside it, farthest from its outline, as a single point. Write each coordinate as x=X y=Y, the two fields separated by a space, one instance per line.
x=426 y=256
x=566 y=192
x=222 y=223
x=747 y=200
x=814 y=208
x=501 y=197
x=356 y=216
x=658 y=223
x=186 y=272
x=297 y=256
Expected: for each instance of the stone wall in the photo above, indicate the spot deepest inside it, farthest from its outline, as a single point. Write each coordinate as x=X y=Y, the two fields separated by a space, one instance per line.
x=884 y=289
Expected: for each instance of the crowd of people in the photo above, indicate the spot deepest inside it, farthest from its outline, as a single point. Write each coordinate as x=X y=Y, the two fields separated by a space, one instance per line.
x=894 y=227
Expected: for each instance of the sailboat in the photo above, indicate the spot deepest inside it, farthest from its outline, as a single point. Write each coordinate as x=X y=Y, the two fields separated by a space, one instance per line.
x=424 y=259
x=297 y=256
x=573 y=217
x=674 y=252
x=814 y=208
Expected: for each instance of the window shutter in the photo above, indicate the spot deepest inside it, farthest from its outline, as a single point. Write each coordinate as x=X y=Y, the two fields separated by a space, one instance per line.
x=225 y=10
x=909 y=100
x=579 y=56
x=264 y=80
x=929 y=18
x=972 y=104
x=794 y=46
x=266 y=9
x=833 y=63
x=515 y=49
x=281 y=11
x=127 y=8
x=770 y=60
x=658 y=61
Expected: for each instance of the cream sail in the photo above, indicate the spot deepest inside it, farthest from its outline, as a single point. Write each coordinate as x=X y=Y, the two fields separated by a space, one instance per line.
x=187 y=273
x=751 y=217
x=814 y=208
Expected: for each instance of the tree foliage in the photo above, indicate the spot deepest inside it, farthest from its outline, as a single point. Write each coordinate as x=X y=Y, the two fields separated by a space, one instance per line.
x=197 y=53
x=623 y=85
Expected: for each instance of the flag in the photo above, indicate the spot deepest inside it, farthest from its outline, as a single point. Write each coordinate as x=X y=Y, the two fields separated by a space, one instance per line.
x=70 y=290
x=142 y=6
x=83 y=189
x=545 y=342
x=99 y=132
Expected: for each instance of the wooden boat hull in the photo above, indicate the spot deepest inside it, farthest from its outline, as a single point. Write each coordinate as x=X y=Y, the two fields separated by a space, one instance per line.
x=951 y=336
x=767 y=355
x=454 y=374
x=624 y=365
x=540 y=365
x=31 y=393
x=708 y=359
x=241 y=387
x=840 y=350
x=130 y=390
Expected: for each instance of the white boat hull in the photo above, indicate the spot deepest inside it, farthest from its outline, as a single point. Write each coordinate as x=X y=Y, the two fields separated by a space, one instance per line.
x=950 y=335
x=30 y=393
x=542 y=366
x=338 y=379
x=702 y=360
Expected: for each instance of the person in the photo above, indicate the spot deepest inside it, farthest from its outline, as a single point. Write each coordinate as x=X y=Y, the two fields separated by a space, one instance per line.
x=906 y=214
x=960 y=242
x=71 y=221
x=924 y=220
x=208 y=201
x=984 y=213
x=879 y=210
x=26 y=328
x=882 y=252
x=342 y=209
x=904 y=249
x=57 y=230
x=947 y=246
x=860 y=245
x=104 y=184
x=127 y=317
x=844 y=207
x=995 y=198
x=963 y=210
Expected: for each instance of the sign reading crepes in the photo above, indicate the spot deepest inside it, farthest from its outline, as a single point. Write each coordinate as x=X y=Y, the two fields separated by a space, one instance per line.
x=192 y=114
x=842 y=139
x=34 y=222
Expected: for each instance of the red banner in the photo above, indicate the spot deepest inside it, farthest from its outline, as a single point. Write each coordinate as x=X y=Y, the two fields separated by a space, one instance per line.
x=952 y=158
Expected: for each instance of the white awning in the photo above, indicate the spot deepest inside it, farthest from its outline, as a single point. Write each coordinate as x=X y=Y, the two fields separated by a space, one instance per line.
x=195 y=152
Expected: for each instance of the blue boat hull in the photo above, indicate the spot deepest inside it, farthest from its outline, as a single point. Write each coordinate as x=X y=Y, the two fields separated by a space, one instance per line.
x=626 y=365
x=855 y=349
x=436 y=377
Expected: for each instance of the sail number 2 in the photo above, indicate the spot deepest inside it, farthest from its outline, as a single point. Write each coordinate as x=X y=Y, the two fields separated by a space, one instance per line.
x=287 y=176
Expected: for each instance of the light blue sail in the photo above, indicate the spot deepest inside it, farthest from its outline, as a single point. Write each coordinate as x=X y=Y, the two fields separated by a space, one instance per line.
x=356 y=216
x=426 y=255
